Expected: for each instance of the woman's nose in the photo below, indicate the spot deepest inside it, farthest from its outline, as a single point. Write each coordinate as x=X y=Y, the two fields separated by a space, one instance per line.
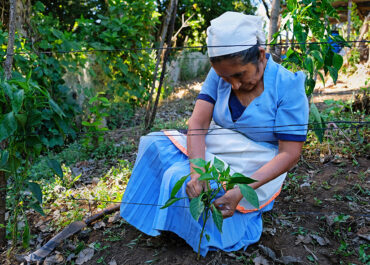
x=235 y=84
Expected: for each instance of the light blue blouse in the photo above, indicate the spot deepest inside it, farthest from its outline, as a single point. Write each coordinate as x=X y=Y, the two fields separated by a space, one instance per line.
x=279 y=113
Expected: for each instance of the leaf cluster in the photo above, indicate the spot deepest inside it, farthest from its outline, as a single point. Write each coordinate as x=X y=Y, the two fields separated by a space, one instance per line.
x=219 y=174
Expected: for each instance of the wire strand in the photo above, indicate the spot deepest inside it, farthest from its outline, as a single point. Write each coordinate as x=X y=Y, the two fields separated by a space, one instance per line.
x=289 y=44
x=281 y=128
x=71 y=198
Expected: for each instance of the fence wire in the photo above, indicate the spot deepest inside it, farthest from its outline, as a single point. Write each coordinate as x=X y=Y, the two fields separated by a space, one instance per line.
x=94 y=200
x=342 y=125
x=286 y=44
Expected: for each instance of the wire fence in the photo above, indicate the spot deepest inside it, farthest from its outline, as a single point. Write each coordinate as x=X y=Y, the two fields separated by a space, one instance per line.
x=286 y=44
x=94 y=200
x=288 y=128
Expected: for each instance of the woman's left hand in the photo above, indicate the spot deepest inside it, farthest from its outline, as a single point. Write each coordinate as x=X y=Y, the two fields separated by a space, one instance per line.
x=227 y=204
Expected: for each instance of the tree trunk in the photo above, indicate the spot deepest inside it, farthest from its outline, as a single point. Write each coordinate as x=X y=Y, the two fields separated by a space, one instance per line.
x=8 y=75
x=266 y=8
x=160 y=51
x=273 y=28
x=349 y=20
x=167 y=53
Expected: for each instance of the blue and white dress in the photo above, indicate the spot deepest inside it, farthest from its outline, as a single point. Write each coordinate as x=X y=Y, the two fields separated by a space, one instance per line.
x=244 y=138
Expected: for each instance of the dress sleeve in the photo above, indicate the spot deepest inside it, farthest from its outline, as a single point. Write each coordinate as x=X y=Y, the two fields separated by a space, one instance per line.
x=292 y=111
x=209 y=88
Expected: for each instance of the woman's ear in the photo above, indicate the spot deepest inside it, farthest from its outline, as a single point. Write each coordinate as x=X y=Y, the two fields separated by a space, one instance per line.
x=262 y=54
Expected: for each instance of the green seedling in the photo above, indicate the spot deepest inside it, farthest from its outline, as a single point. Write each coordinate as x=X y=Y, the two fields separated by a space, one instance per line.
x=203 y=204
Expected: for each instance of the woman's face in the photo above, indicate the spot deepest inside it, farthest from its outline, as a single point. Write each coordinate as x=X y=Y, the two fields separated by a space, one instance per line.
x=241 y=77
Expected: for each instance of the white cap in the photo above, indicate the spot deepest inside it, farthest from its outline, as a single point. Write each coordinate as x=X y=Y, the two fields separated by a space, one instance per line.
x=232 y=29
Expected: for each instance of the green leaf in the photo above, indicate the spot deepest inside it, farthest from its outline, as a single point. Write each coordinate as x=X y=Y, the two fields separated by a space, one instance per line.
x=207 y=237
x=196 y=207
x=36 y=191
x=199 y=162
x=55 y=166
x=22 y=119
x=333 y=73
x=322 y=78
x=4 y=158
x=37 y=208
x=26 y=237
x=337 y=61
x=170 y=201
x=308 y=64
x=17 y=100
x=310 y=86
x=56 y=108
x=249 y=194
x=8 y=125
x=206 y=176
x=315 y=116
x=238 y=178
x=198 y=170
x=178 y=186
x=317 y=55
x=218 y=164
x=217 y=217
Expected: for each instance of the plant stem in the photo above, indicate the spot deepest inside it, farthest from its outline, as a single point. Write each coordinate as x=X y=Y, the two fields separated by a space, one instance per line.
x=205 y=218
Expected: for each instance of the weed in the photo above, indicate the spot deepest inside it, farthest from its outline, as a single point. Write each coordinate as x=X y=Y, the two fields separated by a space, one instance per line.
x=317 y=202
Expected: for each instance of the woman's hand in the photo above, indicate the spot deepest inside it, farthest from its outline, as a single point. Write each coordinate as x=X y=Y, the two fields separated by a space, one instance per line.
x=227 y=204
x=194 y=187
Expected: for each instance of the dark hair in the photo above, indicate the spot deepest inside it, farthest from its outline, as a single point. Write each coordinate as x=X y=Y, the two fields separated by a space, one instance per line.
x=250 y=55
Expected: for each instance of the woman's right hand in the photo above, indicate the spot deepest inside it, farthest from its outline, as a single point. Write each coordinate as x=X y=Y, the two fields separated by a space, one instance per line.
x=194 y=187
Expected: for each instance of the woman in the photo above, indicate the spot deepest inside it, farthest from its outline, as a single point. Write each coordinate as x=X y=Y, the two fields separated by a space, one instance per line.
x=260 y=115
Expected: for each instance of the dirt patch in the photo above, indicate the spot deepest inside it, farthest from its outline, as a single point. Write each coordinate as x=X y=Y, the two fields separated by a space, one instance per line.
x=316 y=212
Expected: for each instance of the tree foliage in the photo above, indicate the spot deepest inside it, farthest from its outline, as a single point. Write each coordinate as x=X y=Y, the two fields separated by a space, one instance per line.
x=204 y=11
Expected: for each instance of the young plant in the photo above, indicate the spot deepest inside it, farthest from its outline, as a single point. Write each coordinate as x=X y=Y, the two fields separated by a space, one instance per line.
x=203 y=204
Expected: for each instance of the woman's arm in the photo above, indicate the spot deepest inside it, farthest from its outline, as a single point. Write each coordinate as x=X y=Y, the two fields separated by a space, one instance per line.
x=288 y=156
x=197 y=129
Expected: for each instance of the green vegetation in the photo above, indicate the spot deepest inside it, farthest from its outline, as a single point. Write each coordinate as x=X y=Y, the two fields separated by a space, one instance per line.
x=203 y=204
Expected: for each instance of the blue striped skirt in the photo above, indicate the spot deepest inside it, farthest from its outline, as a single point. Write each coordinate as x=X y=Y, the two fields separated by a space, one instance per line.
x=159 y=165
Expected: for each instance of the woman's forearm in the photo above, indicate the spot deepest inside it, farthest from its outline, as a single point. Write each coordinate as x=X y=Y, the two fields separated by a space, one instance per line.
x=289 y=153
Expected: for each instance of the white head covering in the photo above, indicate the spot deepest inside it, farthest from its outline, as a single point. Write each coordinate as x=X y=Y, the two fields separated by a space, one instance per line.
x=233 y=28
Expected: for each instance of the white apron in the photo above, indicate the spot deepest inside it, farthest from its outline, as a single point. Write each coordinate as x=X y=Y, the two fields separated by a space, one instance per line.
x=241 y=154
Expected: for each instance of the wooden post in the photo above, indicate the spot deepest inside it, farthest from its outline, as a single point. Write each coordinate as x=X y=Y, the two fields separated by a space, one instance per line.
x=159 y=57
x=166 y=54
x=349 y=20
x=274 y=27
x=8 y=75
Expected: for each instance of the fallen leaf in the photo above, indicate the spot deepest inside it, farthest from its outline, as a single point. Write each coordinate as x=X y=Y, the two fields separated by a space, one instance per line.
x=303 y=239
x=84 y=256
x=112 y=262
x=115 y=218
x=289 y=260
x=99 y=225
x=259 y=260
x=271 y=231
x=55 y=259
x=268 y=252
x=322 y=241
